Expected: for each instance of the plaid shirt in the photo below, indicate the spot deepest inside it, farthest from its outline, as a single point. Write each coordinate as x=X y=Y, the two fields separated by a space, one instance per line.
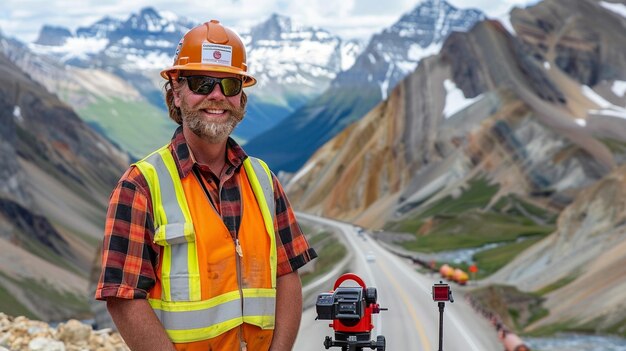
x=129 y=255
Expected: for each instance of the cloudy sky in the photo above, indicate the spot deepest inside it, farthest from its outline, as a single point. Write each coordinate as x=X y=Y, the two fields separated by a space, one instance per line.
x=22 y=19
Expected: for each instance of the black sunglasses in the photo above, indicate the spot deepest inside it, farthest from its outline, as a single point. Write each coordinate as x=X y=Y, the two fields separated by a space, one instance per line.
x=204 y=85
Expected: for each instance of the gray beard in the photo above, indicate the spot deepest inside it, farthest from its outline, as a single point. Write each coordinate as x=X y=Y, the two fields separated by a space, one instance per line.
x=213 y=133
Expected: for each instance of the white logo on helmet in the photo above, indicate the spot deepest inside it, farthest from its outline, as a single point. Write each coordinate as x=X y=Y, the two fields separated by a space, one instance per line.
x=216 y=54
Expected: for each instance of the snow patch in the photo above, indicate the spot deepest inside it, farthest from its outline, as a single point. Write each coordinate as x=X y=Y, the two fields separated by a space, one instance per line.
x=384 y=86
x=17 y=113
x=126 y=41
x=619 y=88
x=593 y=96
x=417 y=52
x=506 y=22
x=302 y=172
x=455 y=99
x=619 y=9
x=546 y=65
x=611 y=112
x=606 y=108
x=157 y=43
x=79 y=47
x=371 y=58
x=152 y=60
x=581 y=122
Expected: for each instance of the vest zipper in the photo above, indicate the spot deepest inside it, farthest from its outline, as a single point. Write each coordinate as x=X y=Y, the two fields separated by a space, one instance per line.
x=238 y=257
x=242 y=344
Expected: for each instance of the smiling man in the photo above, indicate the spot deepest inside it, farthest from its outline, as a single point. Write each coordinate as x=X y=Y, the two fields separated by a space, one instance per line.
x=201 y=247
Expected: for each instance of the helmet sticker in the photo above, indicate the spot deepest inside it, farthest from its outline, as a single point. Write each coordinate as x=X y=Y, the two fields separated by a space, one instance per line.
x=217 y=54
x=180 y=44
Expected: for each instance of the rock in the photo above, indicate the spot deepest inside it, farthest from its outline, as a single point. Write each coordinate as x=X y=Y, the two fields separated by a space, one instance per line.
x=45 y=344
x=20 y=333
x=73 y=332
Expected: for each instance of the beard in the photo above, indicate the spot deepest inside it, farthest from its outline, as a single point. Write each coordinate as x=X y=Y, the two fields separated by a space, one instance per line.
x=214 y=132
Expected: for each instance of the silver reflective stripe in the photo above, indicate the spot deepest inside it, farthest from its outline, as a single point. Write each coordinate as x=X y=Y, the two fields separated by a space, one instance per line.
x=266 y=184
x=184 y=320
x=174 y=231
x=208 y=317
x=179 y=273
x=168 y=193
x=259 y=306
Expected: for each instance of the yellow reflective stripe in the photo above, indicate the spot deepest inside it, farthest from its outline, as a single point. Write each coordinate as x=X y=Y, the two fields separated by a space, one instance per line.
x=195 y=292
x=170 y=206
x=198 y=334
x=182 y=306
x=168 y=159
x=193 y=270
x=166 y=270
x=263 y=322
x=178 y=306
x=268 y=217
x=259 y=307
x=150 y=174
x=199 y=320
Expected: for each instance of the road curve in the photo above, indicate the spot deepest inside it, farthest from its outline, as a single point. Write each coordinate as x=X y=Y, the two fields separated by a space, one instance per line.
x=412 y=321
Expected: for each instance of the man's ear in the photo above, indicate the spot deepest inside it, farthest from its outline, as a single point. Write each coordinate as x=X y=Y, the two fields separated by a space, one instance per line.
x=176 y=92
x=175 y=84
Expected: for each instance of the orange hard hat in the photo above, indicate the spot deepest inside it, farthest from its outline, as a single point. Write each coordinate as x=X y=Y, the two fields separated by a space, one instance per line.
x=211 y=47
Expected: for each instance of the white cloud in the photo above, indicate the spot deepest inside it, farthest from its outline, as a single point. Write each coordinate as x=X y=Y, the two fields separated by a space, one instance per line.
x=348 y=18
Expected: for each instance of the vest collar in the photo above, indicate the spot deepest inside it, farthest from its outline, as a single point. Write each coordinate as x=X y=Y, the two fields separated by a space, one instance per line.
x=235 y=154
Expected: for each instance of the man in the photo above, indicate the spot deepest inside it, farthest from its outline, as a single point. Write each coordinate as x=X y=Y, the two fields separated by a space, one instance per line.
x=201 y=247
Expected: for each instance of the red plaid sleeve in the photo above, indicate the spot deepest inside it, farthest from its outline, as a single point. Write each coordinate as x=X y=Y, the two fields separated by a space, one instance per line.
x=291 y=245
x=129 y=257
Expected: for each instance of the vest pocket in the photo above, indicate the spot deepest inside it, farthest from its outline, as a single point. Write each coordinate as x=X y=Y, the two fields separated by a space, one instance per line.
x=174 y=233
x=180 y=278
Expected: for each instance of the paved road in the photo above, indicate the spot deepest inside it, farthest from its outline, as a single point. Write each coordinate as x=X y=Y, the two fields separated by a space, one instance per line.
x=412 y=321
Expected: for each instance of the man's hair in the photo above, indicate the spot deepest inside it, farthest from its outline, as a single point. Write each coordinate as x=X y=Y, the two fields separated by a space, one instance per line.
x=174 y=111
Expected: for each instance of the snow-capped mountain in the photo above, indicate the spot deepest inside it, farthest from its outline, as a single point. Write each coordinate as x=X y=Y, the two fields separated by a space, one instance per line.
x=144 y=41
x=389 y=57
x=286 y=53
x=393 y=54
x=292 y=63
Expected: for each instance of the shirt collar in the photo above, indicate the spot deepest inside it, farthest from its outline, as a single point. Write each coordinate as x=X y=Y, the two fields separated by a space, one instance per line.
x=235 y=155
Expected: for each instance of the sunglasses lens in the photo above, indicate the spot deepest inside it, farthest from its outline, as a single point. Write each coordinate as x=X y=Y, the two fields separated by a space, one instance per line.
x=231 y=86
x=200 y=85
x=204 y=85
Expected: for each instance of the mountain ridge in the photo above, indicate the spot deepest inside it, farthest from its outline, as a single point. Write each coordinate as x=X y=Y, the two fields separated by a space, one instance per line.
x=532 y=142
x=56 y=176
x=388 y=57
x=293 y=63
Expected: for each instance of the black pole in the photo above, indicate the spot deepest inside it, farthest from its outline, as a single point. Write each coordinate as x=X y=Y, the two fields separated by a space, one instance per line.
x=441 y=305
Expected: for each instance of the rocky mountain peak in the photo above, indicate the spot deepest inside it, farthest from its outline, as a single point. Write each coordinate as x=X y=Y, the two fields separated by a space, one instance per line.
x=148 y=20
x=433 y=20
x=388 y=58
x=53 y=35
x=272 y=29
x=100 y=29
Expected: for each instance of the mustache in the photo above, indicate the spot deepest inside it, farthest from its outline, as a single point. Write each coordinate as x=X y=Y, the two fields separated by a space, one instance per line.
x=216 y=105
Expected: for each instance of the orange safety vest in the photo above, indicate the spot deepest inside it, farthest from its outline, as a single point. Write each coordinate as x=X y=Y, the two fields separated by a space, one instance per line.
x=213 y=292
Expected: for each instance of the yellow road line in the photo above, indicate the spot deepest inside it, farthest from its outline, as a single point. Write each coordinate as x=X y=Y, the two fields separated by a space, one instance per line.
x=407 y=302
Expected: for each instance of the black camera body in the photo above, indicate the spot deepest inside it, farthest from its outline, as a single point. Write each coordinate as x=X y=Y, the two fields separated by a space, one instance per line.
x=350 y=308
x=345 y=304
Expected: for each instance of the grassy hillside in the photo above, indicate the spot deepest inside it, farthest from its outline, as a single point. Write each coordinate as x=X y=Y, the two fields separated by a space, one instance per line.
x=135 y=126
x=473 y=218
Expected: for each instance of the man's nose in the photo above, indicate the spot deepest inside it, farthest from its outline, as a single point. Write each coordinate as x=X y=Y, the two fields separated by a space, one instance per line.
x=216 y=93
